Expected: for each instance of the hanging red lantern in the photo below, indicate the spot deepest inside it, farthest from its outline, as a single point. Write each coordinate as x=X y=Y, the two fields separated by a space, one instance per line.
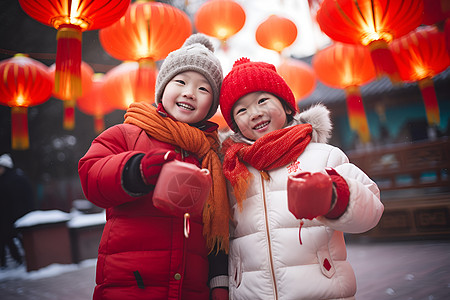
x=220 y=19
x=299 y=76
x=147 y=32
x=120 y=85
x=66 y=95
x=346 y=66
x=372 y=23
x=95 y=103
x=420 y=55
x=25 y=82
x=276 y=33
x=447 y=35
x=71 y=18
x=435 y=11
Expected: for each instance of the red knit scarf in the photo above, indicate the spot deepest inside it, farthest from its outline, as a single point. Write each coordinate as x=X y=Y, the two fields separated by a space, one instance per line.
x=273 y=150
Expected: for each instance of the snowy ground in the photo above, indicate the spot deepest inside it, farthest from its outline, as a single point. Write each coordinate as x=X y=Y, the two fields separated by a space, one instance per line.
x=15 y=271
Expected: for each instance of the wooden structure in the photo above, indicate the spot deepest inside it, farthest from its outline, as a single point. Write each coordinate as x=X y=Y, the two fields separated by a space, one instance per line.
x=414 y=180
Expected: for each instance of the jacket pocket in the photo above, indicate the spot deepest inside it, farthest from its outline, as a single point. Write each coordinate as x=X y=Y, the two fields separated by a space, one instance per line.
x=325 y=262
x=236 y=272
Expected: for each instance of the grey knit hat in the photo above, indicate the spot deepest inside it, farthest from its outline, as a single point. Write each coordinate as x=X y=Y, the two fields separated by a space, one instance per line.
x=196 y=54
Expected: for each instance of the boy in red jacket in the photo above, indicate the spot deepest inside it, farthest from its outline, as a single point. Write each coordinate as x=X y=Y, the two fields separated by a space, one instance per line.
x=143 y=253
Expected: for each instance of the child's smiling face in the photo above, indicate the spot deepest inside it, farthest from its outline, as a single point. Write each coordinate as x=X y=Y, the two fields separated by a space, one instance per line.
x=188 y=97
x=259 y=113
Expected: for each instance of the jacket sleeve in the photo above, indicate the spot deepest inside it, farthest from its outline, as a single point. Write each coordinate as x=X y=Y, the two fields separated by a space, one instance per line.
x=101 y=168
x=364 y=208
x=218 y=269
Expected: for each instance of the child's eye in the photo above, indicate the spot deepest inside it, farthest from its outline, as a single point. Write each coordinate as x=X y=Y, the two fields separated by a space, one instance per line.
x=262 y=100
x=204 y=89
x=179 y=81
x=241 y=110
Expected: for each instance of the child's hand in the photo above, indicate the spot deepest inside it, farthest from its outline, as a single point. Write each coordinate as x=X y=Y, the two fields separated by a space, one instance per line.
x=309 y=194
x=219 y=294
x=152 y=163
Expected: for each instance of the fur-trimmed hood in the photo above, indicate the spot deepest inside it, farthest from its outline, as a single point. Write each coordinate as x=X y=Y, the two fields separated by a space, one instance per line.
x=319 y=118
x=317 y=115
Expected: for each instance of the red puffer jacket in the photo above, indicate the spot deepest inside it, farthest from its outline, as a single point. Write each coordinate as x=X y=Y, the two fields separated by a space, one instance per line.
x=143 y=253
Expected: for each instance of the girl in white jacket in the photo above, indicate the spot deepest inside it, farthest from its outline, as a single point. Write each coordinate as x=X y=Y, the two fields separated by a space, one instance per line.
x=268 y=259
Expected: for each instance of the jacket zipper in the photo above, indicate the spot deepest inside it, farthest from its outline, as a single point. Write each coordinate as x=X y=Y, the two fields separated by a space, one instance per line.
x=268 y=238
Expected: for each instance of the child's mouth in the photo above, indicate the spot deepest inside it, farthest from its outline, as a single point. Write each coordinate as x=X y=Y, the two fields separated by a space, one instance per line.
x=261 y=125
x=185 y=106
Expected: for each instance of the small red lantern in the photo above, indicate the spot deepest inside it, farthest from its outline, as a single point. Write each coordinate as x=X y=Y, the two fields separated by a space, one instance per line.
x=120 y=85
x=95 y=103
x=447 y=35
x=71 y=18
x=147 y=32
x=420 y=55
x=372 y=23
x=220 y=19
x=25 y=82
x=346 y=66
x=276 y=33
x=435 y=11
x=66 y=95
x=299 y=76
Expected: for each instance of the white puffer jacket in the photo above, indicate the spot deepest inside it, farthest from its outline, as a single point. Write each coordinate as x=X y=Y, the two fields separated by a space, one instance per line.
x=266 y=259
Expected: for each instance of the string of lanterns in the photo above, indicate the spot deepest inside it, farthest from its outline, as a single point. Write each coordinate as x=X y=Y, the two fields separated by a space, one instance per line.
x=377 y=34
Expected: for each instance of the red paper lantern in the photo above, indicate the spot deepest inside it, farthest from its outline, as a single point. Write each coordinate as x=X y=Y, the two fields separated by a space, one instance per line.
x=96 y=103
x=276 y=33
x=421 y=55
x=447 y=35
x=346 y=66
x=66 y=95
x=372 y=23
x=220 y=18
x=435 y=11
x=120 y=85
x=25 y=82
x=299 y=76
x=71 y=18
x=147 y=32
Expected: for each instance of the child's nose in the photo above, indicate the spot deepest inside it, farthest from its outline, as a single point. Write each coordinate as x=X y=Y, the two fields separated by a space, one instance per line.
x=255 y=113
x=188 y=93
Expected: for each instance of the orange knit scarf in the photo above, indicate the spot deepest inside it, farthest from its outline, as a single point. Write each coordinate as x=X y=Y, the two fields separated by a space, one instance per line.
x=205 y=145
x=273 y=150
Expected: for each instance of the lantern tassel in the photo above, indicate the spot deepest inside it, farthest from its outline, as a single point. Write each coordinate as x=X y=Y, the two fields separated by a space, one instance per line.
x=426 y=86
x=69 y=114
x=142 y=92
x=19 y=128
x=99 y=123
x=384 y=61
x=68 y=61
x=357 y=114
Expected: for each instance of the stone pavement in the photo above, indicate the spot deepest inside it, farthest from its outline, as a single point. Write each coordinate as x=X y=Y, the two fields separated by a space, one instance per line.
x=406 y=270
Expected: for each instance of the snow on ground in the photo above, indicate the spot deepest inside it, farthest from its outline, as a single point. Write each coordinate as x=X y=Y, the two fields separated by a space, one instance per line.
x=13 y=271
x=74 y=219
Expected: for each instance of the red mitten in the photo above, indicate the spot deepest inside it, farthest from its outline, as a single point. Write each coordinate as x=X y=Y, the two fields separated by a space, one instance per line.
x=219 y=294
x=152 y=163
x=309 y=194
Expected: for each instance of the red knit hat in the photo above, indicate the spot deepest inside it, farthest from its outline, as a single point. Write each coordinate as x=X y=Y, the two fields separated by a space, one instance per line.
x=247 y=77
